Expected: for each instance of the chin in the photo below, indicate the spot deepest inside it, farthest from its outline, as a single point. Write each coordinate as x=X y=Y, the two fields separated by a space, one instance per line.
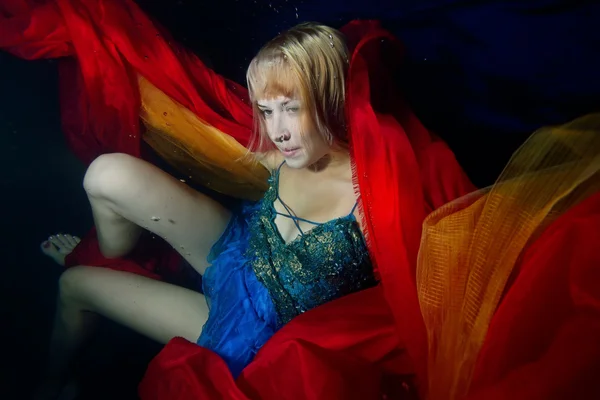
x=304 y=159
x=297 y=162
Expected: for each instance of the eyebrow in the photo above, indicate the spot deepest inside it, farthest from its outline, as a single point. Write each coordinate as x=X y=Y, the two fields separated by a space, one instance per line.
x=285 y=103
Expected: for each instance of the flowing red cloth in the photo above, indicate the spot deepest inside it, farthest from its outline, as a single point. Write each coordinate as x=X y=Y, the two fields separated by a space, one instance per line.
x=106 y=44
x=152 y=257
x=542 y=343
x=402 y=173
x=113 y=41
x=320 y=355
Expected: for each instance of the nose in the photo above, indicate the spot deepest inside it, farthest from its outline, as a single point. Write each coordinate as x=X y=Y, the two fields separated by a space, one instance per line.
x=281 y=132
x=283 y=137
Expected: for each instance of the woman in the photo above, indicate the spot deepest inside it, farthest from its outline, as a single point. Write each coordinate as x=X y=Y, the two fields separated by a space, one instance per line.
x=297 y=248
x=346 y=345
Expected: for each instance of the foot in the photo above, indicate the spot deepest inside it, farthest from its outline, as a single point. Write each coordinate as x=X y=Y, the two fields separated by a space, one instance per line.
x=58 y=247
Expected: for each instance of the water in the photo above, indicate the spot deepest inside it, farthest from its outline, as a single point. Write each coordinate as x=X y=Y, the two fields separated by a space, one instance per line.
x=455 y=83
x=42 y=194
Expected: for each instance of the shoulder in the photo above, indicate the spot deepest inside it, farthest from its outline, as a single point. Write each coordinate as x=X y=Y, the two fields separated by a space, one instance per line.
x=270 y=160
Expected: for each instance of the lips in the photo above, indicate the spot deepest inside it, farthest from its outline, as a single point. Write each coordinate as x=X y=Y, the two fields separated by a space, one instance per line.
x=289 y=151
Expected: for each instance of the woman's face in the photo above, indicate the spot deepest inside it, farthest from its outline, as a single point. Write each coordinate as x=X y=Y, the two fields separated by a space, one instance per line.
x=283 y=118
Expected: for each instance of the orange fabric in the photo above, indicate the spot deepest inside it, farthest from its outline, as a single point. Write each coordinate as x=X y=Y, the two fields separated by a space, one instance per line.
x=198 y=150
x=402 y=172
x=471 y=246
x=542 y=342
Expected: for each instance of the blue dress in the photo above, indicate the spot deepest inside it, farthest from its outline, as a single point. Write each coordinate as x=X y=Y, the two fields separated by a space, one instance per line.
x=257 y=282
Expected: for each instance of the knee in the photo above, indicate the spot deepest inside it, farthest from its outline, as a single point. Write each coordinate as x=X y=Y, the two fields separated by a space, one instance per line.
x=107 y=174
x=71 y=285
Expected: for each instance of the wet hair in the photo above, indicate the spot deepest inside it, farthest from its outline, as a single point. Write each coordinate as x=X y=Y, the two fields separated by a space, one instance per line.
x=308 y=62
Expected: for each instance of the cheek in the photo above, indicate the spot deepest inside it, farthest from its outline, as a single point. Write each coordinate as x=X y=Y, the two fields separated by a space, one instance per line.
x=292 y=124
x=268 y=126
x=272 y=129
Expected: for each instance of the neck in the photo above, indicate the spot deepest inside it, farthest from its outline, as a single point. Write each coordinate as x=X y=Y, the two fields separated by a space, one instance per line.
x=331 y=160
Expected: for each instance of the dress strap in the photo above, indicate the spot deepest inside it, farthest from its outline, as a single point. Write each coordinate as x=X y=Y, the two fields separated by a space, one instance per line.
x=353 y=208
x=279 y=169
x=292 y=217
x=291 y=214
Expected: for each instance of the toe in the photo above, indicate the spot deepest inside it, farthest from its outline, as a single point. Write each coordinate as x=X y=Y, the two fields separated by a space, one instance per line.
x=64 y=240
x=72 y=240
x=48 y=247
x=56 y=241
x=57 y=247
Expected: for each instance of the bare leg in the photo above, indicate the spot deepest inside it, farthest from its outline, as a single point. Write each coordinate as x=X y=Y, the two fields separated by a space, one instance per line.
x=155 y=309
x=128 y=195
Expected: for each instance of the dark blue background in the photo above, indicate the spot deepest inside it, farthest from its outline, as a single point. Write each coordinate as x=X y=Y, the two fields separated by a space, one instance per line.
x=483 y=74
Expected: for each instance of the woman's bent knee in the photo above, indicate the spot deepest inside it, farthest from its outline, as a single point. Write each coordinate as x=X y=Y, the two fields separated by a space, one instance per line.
x=72 y=284
x=108 y=174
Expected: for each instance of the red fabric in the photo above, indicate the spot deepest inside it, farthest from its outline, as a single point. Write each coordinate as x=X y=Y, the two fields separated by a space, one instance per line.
x=351 y=347
x=112 y=41
x=152 y=257
x=108 y=42
x=403 y=172
x=543 y=341
x=343 y=350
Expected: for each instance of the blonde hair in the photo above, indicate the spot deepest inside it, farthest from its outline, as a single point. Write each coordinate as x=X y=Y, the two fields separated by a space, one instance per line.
x=308 y=62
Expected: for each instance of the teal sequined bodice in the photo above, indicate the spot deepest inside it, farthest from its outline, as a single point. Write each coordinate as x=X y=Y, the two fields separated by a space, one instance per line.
x=325 y=263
